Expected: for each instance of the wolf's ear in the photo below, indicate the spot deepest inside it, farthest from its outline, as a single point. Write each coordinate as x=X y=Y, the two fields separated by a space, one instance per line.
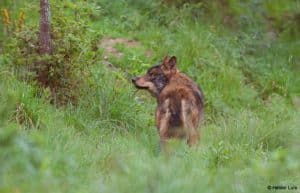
x=166 y=60
x=172 y=62
x=169 y=63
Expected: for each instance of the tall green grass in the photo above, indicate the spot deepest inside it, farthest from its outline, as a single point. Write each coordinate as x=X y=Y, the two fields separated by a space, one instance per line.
x=108 y=142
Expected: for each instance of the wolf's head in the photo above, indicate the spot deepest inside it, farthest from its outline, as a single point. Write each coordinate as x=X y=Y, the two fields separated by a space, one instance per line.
x=157 y=77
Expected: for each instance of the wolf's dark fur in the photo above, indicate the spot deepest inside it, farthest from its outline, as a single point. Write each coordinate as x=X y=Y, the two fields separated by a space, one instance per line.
x=180 y=101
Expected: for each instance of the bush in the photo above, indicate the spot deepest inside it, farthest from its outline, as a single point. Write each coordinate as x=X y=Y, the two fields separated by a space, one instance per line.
x=73 y=50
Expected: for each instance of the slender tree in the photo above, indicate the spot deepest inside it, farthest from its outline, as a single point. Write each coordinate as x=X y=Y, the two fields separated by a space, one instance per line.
x=45 y=41
x=45 y=28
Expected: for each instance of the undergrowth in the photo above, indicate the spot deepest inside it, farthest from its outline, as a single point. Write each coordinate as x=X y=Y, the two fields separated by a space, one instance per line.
x=106 y=141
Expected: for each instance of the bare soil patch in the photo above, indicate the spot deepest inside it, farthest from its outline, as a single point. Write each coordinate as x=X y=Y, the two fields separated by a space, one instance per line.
x=108 y=44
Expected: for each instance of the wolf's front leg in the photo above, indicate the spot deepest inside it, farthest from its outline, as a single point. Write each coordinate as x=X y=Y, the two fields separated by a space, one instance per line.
x=162 y=122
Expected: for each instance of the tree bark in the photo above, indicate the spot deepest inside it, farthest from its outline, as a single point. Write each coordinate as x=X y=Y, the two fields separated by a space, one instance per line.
x=44 y=41
x=45 y=28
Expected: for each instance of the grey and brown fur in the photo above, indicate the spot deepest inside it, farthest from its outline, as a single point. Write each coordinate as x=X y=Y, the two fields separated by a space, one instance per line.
x=180 y=101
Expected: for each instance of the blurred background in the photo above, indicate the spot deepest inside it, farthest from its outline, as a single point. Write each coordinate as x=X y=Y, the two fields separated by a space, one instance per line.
x=71 y=121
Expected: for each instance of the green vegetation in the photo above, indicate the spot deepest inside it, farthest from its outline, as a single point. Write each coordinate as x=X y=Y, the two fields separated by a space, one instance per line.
x=93 y=132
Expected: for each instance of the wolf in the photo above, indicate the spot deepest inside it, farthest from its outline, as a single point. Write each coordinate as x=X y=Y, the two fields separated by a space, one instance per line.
x=180 y=102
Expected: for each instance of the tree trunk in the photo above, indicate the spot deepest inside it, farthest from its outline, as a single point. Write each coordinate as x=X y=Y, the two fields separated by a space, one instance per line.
x=45 y=41
x=45 y=28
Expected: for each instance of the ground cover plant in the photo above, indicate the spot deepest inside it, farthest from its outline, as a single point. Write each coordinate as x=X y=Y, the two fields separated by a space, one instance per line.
x=90 y=130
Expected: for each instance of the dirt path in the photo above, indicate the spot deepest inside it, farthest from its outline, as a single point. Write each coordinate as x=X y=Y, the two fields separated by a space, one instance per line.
x=108 y=44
